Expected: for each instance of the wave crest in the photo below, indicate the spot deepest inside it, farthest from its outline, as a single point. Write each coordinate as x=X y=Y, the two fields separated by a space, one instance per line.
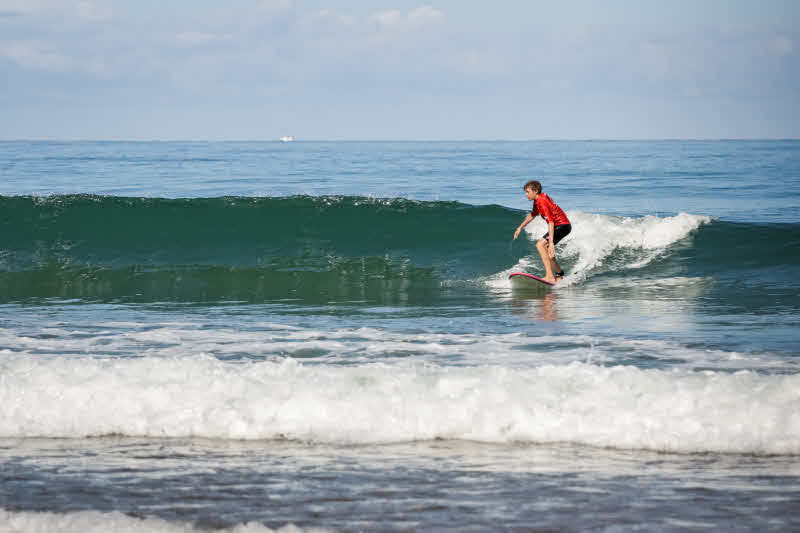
x=619 y=407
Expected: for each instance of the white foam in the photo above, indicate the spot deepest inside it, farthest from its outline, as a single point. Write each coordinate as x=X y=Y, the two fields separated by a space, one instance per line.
x=97 y=522
x=594 y=237
x=272 y=341
x=622 y=407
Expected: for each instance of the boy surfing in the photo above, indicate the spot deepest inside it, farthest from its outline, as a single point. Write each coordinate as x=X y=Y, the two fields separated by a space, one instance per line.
x=558 y=227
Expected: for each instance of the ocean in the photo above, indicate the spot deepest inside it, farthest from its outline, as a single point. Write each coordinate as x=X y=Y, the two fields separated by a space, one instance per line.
x=321 y=336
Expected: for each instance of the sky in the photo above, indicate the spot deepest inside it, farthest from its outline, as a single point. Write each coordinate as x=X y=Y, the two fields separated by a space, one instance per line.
x=399 y=69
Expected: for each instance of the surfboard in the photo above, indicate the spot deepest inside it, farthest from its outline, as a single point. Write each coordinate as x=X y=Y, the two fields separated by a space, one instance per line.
x=521 y=280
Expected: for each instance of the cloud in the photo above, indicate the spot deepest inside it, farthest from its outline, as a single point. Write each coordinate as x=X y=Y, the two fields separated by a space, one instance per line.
x=93 y=12
x=783 y=46
x=260 y=52
x=326 y=16
x=425 y=15
x=196 y=39
x=19 y=7
x=274 y=7
x=479 y=62
x=36 y=56
x=417 y=17
x=84 y=11
x=388 y=18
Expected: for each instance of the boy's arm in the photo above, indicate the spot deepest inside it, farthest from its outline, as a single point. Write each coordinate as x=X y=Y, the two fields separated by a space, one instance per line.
x=524 y=223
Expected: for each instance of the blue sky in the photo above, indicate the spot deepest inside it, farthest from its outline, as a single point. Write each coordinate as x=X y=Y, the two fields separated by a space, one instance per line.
x=261 y=69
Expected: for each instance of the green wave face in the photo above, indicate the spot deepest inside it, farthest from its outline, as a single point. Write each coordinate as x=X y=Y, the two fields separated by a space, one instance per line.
x=323 y=249
x=374 y=279
x=312 y=248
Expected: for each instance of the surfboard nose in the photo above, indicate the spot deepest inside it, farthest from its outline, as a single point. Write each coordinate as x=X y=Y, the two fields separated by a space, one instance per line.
x=523 y=280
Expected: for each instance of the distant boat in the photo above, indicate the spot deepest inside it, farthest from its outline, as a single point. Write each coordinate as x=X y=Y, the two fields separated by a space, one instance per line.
x=287 y=139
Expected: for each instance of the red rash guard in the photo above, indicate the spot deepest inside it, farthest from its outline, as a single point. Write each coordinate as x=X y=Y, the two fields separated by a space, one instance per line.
x=545 y=206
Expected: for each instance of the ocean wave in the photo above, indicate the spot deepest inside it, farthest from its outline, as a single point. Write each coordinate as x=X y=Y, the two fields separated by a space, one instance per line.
x=89 y=521
x=336 y=248
x=106 y=248
x=269 y=341
x=118 y=232
x=617 y=407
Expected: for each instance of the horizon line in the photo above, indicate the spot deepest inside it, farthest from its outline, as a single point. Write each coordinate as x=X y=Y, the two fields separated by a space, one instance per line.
x=311 y=140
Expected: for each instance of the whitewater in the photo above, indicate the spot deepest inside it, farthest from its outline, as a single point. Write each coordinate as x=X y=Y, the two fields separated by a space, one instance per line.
x=621 y=407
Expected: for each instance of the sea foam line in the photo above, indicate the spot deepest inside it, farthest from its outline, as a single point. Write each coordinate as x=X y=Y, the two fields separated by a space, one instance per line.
x=272 y=341
x=620 y=407
x=95 y=521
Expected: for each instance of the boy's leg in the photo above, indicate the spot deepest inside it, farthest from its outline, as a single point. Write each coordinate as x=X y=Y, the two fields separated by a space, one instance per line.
x=546 y=260
x=554 y=264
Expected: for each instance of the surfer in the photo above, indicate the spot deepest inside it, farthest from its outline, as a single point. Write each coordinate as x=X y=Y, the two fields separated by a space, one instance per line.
x=558 y=227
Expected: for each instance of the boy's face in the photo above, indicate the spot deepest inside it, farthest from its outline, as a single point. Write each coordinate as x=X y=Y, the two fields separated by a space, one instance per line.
x=530 y=193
